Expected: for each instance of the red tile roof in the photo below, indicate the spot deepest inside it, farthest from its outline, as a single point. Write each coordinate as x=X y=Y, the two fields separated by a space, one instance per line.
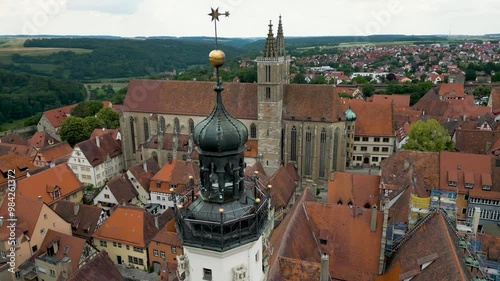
x=129 y=225
x=171 y=97
x=456 y=165
x=495 y=100
x=68 y=246
x=122 y=189
x=84 y=218
x=21 y=164
x=446 y=89
x=167 y=235
x=475 y=141
x=56 y=116
x=46 y=182
x=144 y=176
x=283 y=188
x=175 y=173
x=373 y=119
x=14 y=139
x=42 y=139
x=27 y=214
x=311 y=102
x=59 y=151
x=97 y=154
x=435 y=242
x=354 y=250
x=358 y=189
x=100 y=267
x=399 y=100
x=99 y=132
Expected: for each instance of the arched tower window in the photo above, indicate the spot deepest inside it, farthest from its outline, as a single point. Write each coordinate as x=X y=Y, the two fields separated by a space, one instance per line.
x=268 y=73
x=132 y=134
x=253 y=131
x=191 y=126
x=146 y=128
x=308 y=153
x=162 y=124
x=176 y=126
x=268 y=93
x=155 y=156
x=322 y=154
x=293 y=144
x=335 y=148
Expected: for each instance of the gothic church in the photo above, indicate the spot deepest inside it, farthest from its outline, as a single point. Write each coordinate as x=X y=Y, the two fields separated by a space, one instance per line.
x=299 y=123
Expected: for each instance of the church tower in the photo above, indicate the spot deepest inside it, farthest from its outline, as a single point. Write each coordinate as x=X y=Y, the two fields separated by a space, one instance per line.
x=222 y=229
x=272 y=74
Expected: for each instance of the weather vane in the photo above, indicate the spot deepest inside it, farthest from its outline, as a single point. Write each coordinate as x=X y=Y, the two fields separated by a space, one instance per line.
x=215 y=18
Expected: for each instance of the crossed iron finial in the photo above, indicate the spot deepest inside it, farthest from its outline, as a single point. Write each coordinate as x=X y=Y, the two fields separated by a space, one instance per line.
x=215 y=14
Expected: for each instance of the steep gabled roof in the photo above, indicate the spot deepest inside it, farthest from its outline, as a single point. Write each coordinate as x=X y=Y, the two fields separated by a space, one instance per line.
x=358 y=189
x=84 y=218
x=21 y=164
x=192 y=98
x=130 y=225
x=283 y=188
x=58 y=115
x=68 y=246
x=56 y=151
x=101 y=267
x=174 y=173
x=97 y=154
x=475 y=141
x=42 y=139
x=122 y=189
x=433 y=242
x=144 y=176
x=99 y=132
x=27 y=214
x=14 y=139
x=311 y=102
x=373 y=119
x=398 y=100
x=44 y=183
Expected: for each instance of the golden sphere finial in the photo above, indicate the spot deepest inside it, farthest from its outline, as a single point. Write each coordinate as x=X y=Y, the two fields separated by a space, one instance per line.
x=216 y=58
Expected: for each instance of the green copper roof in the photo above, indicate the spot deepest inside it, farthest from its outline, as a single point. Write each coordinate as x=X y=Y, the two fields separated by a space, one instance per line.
x=350 y=115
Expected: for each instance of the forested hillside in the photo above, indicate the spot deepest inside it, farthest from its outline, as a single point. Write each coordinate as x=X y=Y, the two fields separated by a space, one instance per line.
x=22 y=95
x=119 y=58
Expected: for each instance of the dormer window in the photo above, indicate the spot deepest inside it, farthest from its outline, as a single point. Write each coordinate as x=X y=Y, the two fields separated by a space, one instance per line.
x=469 y=185
x=486 y=187
x=452 y=183
x=57 y=193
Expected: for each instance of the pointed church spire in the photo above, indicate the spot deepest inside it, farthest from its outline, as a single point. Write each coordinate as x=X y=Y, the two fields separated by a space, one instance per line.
x=269 y=50
x=280 y=40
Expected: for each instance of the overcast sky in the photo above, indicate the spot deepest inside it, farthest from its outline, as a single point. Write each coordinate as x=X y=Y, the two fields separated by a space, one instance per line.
x=249 y=18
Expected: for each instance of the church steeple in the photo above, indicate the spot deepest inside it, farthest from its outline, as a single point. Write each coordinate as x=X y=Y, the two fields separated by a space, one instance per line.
x=280 y=40
x=269 y=49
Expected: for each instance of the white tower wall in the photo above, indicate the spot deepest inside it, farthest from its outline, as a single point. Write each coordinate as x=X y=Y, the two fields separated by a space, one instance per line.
x=222 y=263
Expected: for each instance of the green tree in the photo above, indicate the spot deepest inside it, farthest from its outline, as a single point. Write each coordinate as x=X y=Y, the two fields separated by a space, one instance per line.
x=92 y=123
x=470 y=75
x=299 y=79
x=368 y=89
x=109 y=118
x=74 y=130
x=428 y=136
x=360 y=80
x=86 y=108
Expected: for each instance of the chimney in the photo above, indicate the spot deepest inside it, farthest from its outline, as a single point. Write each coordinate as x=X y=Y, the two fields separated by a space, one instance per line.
x=373 y=221
x=39 y=198
x=475 y=219
x=97 y=141
x=76 y=208
x=157 y=224
x=325 y=267
x=145 y=166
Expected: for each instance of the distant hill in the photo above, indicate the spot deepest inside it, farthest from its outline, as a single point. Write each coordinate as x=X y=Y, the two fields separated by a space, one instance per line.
x=118 y=58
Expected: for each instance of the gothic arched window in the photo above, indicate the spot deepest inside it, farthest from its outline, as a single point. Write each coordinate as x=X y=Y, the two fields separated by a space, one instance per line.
x=335 y=148
x=308 y=153
x=176 y=126
x=132 y=134
x=191 y=126
x=253 y=131
x=146 y=128
x=155 y=156
x=162 y=124
x=293 y=144
x=322 y=154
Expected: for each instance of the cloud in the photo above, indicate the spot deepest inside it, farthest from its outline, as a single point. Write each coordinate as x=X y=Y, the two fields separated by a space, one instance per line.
x=127 y=7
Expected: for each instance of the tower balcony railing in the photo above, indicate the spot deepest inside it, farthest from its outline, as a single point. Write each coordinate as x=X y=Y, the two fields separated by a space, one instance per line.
x=272 y=59
x=221 y=232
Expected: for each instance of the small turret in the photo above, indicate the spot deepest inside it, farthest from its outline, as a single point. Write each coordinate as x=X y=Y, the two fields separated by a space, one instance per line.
x=350 y=115
x=269 y=49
